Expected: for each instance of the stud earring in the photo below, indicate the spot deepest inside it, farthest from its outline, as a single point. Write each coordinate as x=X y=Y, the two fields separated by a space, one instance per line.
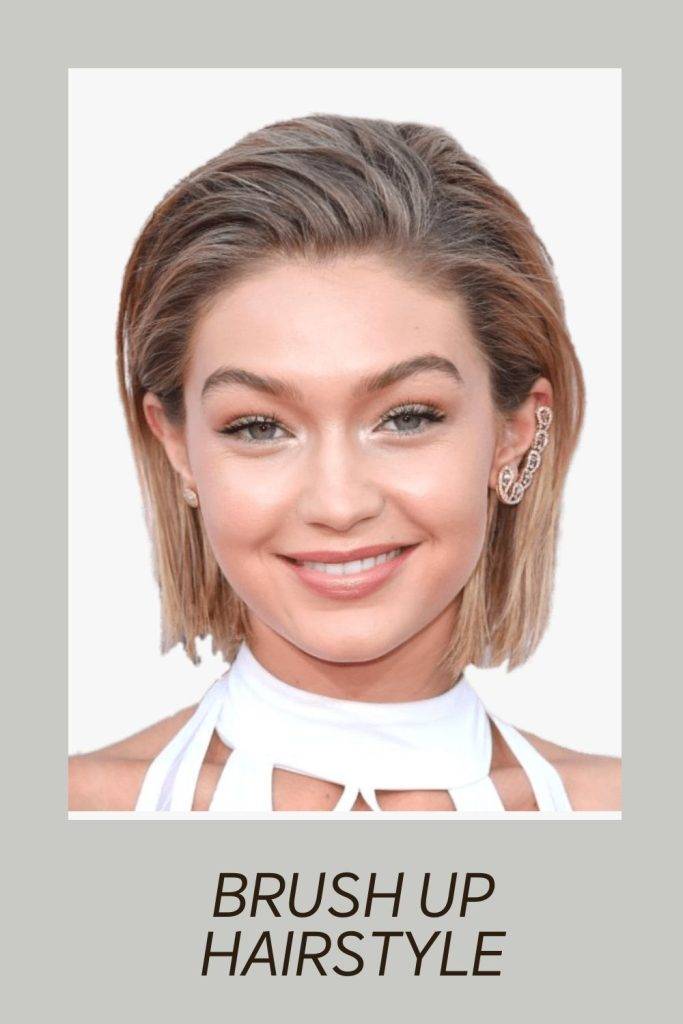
x=511 y=491
x=190 y=497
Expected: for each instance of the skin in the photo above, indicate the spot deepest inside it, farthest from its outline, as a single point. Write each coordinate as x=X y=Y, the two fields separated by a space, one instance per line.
x=329 y=468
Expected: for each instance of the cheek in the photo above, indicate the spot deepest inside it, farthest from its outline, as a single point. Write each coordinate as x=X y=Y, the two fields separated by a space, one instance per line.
x=449 y=497
x=242 y=506
x=447 y=489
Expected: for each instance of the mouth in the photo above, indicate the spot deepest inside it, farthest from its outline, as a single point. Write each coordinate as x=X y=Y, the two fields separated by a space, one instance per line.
x=350 y=567
x=335 y=574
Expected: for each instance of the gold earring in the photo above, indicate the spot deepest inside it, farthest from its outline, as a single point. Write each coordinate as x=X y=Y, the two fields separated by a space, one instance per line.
x=511 y=491
x=190 y=497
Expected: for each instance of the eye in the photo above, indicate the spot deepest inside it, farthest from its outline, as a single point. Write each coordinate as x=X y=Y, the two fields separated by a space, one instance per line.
x=255 y=429
x=410 y=418
x=407 y=419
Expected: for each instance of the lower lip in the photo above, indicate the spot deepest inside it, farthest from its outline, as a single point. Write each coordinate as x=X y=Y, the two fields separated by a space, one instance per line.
x=356 y=585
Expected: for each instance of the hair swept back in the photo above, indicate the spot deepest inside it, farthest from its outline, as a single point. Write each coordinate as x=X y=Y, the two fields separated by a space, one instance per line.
x=318 y=187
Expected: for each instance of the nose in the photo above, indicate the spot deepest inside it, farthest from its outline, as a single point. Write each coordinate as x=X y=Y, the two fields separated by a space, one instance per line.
x=340 y=486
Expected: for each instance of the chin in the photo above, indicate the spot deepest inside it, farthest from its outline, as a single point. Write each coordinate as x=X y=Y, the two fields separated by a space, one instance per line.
x=348 y=649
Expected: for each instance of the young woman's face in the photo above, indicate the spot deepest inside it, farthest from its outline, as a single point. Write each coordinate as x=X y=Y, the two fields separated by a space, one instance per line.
x=333 y=409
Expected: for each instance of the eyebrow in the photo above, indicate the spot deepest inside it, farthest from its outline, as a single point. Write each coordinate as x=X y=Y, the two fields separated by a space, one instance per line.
x=226 y=376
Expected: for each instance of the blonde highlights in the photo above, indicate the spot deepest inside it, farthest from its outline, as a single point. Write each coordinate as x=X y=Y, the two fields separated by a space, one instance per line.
x=317 y=188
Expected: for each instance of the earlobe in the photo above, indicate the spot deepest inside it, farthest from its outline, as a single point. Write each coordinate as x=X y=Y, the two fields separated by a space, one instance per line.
x=509 y=447
x=169 y=436
x=519 y=432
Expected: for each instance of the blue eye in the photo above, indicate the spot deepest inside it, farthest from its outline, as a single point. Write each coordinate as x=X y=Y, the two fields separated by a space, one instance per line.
x=407 y=418
x=254 y=429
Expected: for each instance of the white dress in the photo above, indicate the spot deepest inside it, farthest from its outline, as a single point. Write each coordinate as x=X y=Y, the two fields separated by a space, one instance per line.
x=440 y=743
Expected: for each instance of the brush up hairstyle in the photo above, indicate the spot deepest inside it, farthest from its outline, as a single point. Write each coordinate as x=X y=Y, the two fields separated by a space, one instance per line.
x=317 y=188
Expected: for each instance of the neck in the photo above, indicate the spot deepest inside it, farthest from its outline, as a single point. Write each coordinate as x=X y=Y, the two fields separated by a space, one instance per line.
x=409 y=672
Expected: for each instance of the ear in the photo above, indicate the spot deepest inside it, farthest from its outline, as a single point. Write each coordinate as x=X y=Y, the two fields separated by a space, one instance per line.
x=517 y=429
x=170 y=436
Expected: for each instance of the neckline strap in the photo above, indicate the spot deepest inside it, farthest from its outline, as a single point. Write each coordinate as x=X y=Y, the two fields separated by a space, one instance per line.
x=440 y=743
x=434 y=743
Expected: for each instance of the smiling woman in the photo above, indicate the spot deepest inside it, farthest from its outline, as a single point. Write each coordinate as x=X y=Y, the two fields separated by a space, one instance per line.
x=353 y=401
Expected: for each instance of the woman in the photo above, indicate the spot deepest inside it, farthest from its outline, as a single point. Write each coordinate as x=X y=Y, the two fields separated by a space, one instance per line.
x=353 y=401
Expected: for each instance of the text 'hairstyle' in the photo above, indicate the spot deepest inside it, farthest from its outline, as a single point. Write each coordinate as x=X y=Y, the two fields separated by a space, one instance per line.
x=316 y=188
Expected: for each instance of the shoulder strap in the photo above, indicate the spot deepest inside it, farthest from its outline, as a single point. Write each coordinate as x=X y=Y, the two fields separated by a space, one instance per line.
x=544 y=778
x=171 y=778
x=245 y=783
x=481 y=795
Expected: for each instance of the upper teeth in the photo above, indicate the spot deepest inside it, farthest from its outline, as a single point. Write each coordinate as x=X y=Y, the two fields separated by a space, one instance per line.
x=346 y=568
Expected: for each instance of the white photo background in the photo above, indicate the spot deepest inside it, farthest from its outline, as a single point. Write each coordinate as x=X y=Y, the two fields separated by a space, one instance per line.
x=550 y=136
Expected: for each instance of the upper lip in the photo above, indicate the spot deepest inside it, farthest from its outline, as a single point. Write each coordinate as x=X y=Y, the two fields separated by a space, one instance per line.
x=344 y=556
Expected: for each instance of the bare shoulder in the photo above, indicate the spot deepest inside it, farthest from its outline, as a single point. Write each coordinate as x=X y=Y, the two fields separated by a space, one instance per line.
x=592 y=781
x=147 y=743
x=109 y=779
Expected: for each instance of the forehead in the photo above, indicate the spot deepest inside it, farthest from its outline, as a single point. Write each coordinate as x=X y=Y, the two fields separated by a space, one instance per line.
x=333 y=321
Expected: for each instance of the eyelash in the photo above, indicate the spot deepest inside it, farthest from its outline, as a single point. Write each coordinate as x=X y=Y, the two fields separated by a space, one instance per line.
x=427 y=412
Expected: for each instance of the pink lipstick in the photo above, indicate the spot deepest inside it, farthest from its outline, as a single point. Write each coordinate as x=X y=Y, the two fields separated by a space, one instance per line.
x=349 y=578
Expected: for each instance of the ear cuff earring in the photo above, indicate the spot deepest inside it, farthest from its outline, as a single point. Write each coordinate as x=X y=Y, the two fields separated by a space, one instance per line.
x=190 y=497
x=511 y=491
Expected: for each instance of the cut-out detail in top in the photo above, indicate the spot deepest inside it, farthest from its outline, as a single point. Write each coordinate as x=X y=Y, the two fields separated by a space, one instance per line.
x=439 y=743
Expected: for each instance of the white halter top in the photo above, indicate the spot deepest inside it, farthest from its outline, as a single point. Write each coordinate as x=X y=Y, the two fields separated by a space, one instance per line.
x=441 y=743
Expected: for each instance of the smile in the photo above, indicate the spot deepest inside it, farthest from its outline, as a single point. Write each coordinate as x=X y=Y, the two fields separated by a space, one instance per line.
x=347 y=568
x=350 y=578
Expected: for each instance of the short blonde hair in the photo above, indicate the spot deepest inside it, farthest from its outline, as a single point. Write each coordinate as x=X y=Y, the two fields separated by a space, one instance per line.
x=317 y=188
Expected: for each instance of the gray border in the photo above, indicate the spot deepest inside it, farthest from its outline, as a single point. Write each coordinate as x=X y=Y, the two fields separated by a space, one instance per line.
x=109 y=922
